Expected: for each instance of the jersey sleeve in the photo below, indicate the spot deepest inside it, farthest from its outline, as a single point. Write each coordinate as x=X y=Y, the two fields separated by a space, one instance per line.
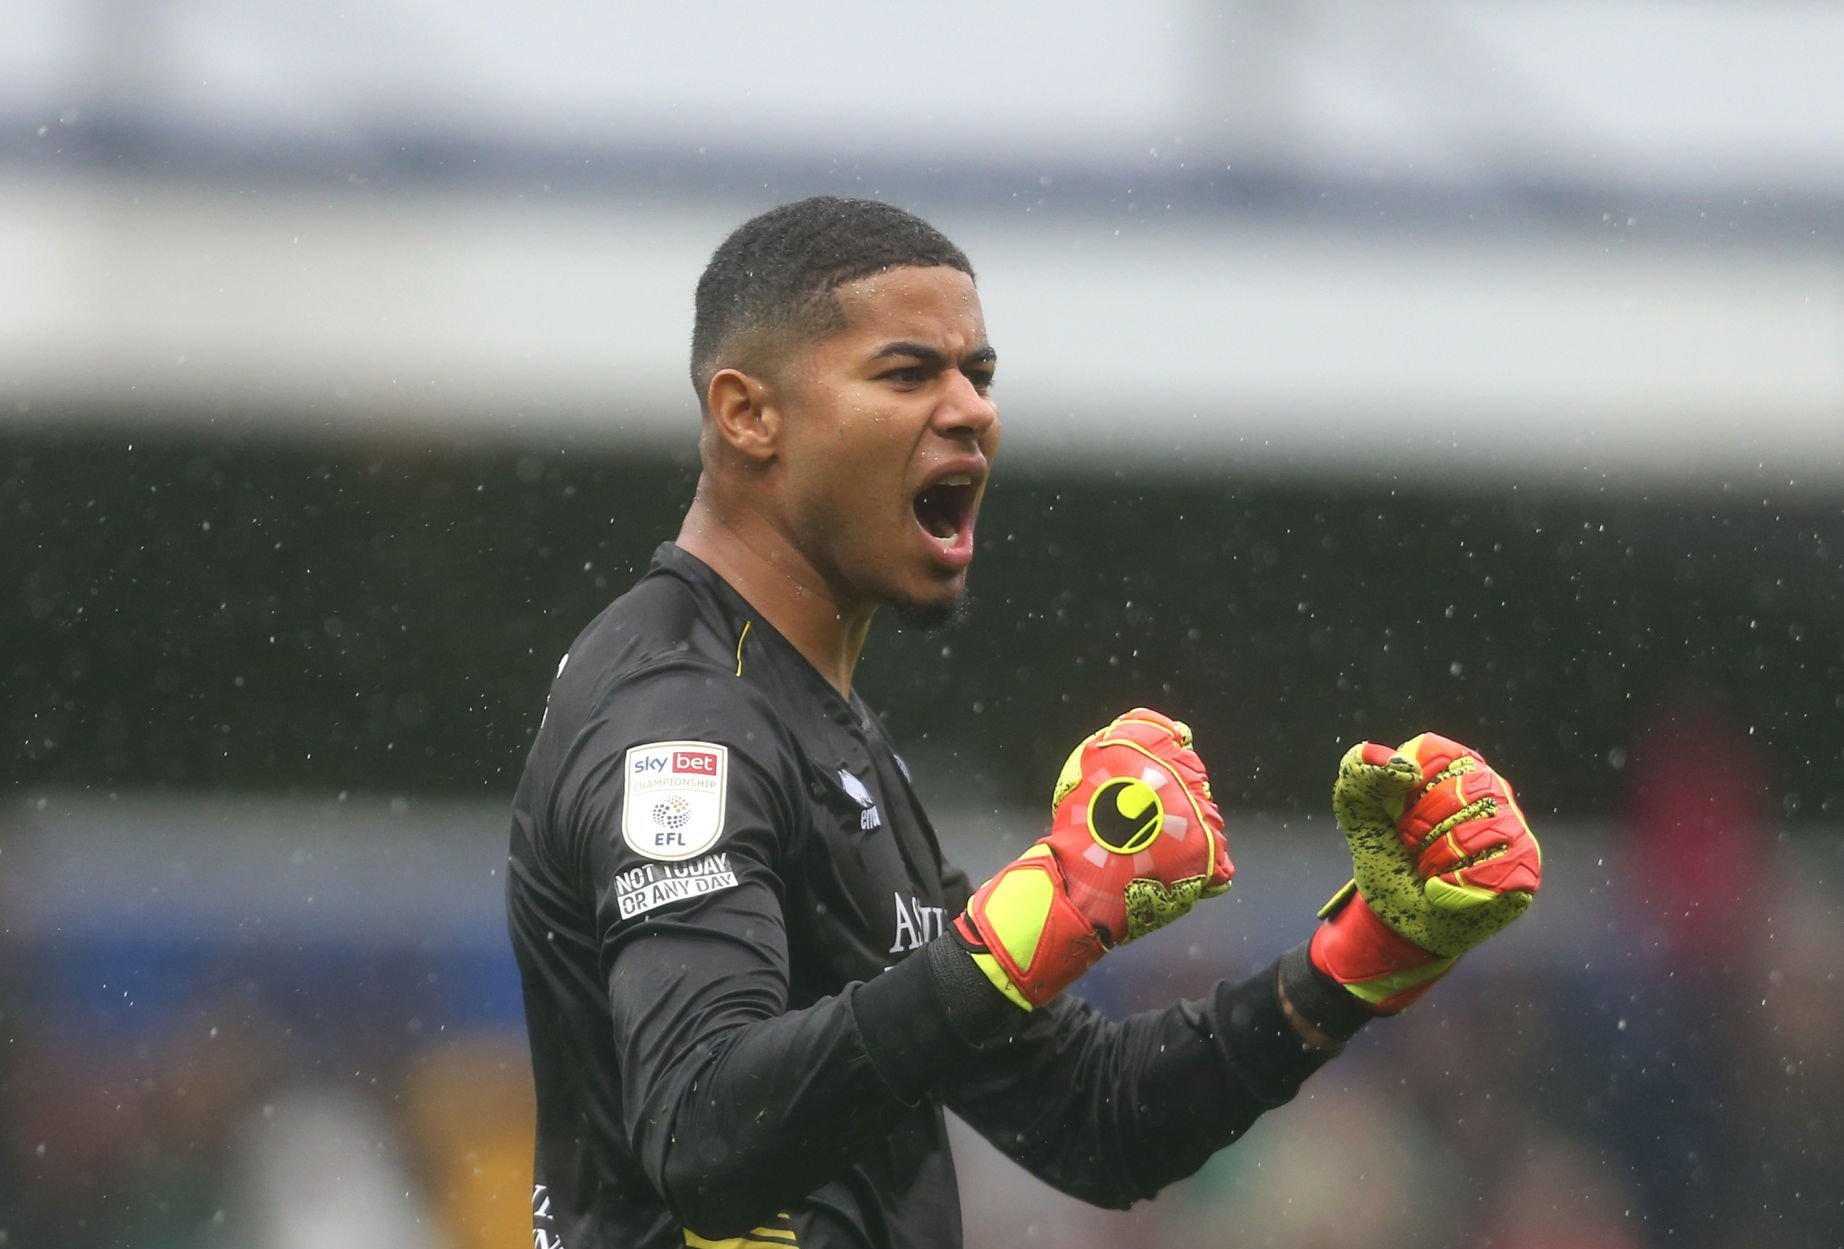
x=1112 y=1111
x=682 y=795
x=685 y=795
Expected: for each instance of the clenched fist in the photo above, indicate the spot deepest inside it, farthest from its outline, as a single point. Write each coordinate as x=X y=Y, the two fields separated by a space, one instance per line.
x=1442 y=858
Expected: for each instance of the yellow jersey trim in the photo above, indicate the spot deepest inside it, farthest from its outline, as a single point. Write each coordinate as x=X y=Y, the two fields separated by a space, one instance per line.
x=740 y=639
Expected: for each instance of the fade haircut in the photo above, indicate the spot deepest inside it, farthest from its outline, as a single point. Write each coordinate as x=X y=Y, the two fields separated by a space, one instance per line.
x=771 y=281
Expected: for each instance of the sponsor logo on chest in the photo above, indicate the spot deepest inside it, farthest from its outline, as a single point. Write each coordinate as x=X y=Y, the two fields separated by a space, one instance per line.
x=543 y=1223
x=672 y=805
x=916 y=924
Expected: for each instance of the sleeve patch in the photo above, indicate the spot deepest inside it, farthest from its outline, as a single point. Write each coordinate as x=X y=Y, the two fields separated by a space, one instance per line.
x=641 y=889
x=672 y=806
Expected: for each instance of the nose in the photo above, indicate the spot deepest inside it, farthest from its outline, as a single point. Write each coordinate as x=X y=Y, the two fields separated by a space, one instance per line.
x=965 y=412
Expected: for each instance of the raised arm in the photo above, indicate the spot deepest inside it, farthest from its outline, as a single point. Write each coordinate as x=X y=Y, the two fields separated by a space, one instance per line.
x=1111 y=1112
x=736 y=1105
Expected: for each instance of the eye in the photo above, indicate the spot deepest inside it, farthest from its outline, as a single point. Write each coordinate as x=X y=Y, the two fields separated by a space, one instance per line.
x=981 y=379
x=908 y=375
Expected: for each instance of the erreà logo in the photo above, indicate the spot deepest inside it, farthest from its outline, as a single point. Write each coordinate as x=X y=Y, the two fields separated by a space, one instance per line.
x=869 y=816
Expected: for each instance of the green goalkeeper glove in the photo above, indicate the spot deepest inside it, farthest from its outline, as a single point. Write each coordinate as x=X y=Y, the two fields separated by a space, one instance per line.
x=1442 y=858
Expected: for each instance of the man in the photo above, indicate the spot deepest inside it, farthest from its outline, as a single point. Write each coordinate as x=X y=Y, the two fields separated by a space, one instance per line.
x=751 y=981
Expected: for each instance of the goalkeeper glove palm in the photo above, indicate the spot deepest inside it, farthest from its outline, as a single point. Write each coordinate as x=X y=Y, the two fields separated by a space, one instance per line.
x=1442 y=858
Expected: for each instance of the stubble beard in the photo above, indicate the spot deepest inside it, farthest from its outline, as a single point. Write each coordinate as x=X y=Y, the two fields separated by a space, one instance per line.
x=935 y=616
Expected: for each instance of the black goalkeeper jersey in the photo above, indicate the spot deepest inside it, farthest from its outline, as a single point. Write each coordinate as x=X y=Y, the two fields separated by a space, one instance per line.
x=717 y=871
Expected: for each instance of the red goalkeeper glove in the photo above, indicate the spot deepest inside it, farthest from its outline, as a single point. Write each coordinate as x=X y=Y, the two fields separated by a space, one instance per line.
x=1134 y=842
x=1443 y=858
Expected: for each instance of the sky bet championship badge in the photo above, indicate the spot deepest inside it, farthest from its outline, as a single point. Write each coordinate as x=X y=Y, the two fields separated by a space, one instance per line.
x=673 y=805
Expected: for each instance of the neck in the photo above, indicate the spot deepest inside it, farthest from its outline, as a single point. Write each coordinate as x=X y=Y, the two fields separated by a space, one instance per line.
x=760 y=563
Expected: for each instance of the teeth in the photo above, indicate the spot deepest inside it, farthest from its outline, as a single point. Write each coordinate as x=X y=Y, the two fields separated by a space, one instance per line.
x=956 y=479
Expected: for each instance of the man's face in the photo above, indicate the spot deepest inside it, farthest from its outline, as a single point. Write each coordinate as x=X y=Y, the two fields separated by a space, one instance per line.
x=889 y=434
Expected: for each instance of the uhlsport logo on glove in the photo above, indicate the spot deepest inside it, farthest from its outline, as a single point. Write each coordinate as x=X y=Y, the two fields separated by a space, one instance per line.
x=1125 y=815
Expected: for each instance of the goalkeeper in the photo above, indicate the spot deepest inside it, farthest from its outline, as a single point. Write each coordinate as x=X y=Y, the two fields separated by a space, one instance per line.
x=752 y=983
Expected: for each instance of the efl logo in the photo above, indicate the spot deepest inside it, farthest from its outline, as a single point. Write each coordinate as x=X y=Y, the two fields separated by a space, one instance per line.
x=696 y=762
x=673 y=805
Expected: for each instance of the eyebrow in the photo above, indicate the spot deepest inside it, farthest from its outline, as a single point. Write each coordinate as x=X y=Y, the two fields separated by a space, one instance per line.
x=931 y=355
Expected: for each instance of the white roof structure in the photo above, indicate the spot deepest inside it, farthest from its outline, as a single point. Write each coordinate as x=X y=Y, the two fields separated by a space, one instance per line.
x=1549 y=241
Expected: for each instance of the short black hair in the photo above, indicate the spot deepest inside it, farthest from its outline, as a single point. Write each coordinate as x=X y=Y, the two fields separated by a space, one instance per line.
x=775 y=274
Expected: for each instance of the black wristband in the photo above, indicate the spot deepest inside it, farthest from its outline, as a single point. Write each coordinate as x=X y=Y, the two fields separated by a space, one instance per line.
x=975 y=1008
x=926 y=1014
x=1318 y=999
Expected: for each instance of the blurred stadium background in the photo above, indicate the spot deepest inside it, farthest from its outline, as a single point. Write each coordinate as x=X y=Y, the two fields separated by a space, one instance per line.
x=1367 y=368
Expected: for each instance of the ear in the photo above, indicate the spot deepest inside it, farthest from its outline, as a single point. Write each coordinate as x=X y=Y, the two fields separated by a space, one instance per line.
x=743 y=414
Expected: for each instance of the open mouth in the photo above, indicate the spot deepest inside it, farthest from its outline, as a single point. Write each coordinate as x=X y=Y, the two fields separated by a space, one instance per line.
x=945 y=508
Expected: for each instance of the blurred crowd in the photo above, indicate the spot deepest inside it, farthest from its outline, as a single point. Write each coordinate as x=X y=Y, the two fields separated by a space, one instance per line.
x=1664 y=1077
x=1627 y=1099
x=223 y=1126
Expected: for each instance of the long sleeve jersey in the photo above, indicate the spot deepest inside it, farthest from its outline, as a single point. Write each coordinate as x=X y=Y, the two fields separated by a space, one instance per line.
x=718 y=875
